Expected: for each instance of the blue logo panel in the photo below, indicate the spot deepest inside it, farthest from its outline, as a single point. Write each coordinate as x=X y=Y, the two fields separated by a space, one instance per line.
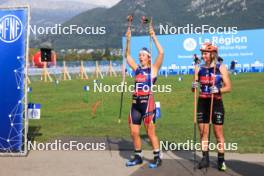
x=244 y=46
x=13 y=36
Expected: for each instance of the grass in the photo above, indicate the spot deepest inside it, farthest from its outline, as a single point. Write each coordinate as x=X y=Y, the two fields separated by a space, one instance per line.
x=67 y=111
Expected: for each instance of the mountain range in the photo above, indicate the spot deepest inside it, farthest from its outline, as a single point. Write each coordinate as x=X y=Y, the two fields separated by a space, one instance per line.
x=244 y=14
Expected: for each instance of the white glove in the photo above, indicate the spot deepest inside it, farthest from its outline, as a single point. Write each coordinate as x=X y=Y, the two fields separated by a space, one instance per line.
x=214 y=90
x=195 y=85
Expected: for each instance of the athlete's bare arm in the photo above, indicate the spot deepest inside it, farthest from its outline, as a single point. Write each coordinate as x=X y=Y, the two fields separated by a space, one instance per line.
x=159 y=59
x=130 y=61
x=227 y=87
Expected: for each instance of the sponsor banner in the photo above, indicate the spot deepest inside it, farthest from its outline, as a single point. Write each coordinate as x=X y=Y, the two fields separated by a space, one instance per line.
x=13 y=37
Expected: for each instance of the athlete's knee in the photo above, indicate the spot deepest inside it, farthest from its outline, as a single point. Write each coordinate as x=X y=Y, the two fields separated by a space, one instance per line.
x=219 y=133
x=134 y=133
x=151 y=132
x=152 y=135
x=205 y=136
x=204 y=133
x=219 y=136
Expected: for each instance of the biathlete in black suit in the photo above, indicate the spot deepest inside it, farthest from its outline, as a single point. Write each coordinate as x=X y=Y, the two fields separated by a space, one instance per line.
x=213 y=79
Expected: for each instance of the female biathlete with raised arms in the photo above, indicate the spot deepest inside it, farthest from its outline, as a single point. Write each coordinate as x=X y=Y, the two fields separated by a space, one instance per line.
x=206 y=74
x=143 y=105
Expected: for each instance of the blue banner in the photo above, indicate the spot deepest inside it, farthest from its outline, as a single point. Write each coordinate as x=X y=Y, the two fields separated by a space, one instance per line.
x=13 y=37
x=245 y=47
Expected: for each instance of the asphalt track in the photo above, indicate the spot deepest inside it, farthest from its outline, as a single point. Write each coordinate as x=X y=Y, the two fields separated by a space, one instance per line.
x=112 y=162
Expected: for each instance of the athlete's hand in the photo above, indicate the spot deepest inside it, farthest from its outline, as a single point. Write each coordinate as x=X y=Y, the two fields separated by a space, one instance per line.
x=151 y=31
x=214 y=90
x=195 y=85
x=128 y=34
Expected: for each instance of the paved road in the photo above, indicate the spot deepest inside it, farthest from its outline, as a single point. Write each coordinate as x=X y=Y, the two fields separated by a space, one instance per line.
x=112 y=163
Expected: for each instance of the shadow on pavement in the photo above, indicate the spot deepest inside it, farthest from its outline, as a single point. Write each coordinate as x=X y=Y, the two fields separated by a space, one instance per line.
x=185 y=166
x=246 y=168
